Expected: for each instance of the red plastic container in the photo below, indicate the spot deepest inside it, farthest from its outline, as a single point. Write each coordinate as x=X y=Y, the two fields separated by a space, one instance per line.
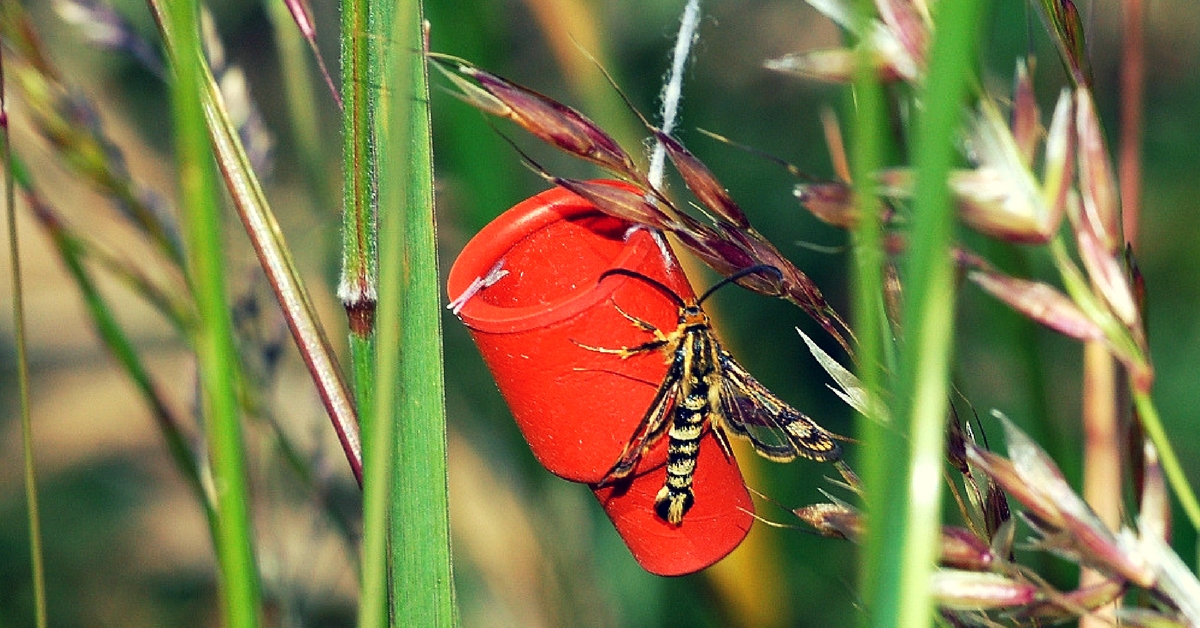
x=576 y=407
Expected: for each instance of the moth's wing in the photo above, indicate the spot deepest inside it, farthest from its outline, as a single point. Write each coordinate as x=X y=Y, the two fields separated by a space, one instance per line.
x=775 y=429
x=652 y=427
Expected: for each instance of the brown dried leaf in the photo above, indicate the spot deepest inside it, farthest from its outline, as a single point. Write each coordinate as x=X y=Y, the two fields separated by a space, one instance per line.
x=832 y=520
x=619 y=202
x=993 y=202
x=700 y=180
x=549 y=120
x=1040 y=302
x=834 y=65
x=960 y=548
x=1058 y=170
x=1078 y=533
x=1109 y=276
x=831 y=202
x=906 y=25
x=971 y=590
x=1154 y=512
x=1026 y=120
x=1097 y=183
x=1005 y=474
x=1062 y=607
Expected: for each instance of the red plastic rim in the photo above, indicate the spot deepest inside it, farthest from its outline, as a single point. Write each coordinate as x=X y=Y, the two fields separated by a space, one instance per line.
x=532 y=300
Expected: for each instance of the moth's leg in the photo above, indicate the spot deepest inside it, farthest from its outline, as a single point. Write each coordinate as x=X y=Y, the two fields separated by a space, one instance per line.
x=722 y=439
x=641 y=324
x=625 y=352
x=660 y=339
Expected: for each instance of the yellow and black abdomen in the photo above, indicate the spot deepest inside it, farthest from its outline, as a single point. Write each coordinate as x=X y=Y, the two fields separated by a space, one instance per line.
x=692 y=408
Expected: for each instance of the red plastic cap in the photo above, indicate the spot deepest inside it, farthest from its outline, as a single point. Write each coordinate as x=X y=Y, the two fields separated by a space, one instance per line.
x=715 y=525
x=577 y=407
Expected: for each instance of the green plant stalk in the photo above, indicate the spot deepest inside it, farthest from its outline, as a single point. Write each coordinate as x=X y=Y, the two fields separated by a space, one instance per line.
x=359 y=234
x=409 y=361
x=276 y=261
x=1122 y=344
x=29 y=470
x=869 y=315
x=358 y=287
x=214 y=344
x=904 y=492
x=378 y=465
x=1170 y=462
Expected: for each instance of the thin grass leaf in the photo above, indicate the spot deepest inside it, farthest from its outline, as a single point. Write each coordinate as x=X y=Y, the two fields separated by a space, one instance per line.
x=214 y=344
x=73 y=250
x=868 y=306
x=357 y=289
x=849 y=388
x=409 y=364
x=29 y=471
x=274 y=257
x=904 y=490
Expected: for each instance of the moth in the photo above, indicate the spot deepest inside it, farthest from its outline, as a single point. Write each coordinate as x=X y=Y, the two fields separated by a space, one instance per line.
x=704 y=385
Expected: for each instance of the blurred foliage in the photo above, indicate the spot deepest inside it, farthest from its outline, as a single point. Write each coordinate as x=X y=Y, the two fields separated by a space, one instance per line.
x=531 y=549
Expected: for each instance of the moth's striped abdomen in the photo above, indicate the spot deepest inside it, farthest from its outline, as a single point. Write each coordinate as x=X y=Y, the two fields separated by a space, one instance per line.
x=692 y=409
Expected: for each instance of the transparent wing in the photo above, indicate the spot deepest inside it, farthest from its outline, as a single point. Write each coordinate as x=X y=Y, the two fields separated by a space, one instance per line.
x=652 y=427
x=776 y=430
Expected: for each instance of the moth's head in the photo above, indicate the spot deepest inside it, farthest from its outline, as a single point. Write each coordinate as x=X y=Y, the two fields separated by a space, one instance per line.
x=692 y=317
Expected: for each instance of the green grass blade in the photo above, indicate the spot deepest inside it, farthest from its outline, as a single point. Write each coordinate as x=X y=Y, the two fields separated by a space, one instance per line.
x=871 y=328
x=276 y=261
x=29 y=471
x=904 y=490
x=407 y=473
x=870 y=318
x=356 y=290
x=214 y=347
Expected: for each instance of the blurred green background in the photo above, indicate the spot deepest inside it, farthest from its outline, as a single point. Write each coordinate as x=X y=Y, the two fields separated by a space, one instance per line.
x=125 y=545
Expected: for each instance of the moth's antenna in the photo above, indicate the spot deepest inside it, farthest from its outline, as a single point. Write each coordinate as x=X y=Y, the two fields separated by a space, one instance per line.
x=752 y=270
x=649 y=280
